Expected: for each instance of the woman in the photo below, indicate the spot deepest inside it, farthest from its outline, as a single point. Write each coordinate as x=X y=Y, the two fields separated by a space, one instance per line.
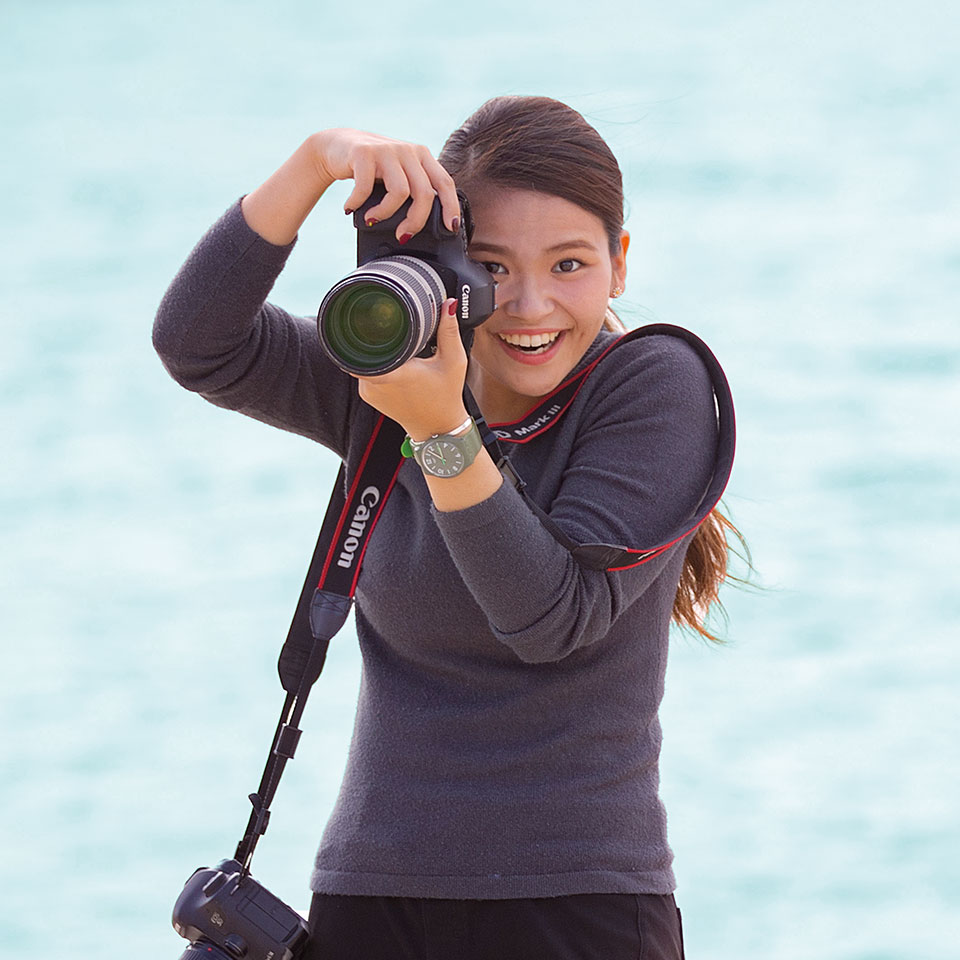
x=501 y=793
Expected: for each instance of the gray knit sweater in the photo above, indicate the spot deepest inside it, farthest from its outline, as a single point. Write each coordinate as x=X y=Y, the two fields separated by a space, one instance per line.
x=506 y=741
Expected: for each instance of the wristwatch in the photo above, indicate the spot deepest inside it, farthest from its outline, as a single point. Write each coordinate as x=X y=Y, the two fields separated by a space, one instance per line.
x=446 y=454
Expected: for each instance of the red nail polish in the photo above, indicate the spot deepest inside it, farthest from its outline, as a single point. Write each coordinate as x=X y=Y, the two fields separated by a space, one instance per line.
x=406 y=238
x=372 y=222
x=455 y=226
x=452 y=308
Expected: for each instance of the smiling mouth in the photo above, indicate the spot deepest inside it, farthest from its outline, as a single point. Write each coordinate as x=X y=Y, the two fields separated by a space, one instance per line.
x=530 y=344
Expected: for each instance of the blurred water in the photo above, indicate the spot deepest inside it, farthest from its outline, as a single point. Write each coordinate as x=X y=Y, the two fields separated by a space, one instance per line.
x=791 y=173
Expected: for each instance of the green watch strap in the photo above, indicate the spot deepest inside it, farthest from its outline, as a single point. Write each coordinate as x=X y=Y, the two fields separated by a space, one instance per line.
x=467 y=439
x=410 y=447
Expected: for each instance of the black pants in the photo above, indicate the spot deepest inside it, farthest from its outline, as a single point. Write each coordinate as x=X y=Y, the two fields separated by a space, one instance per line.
x=596 y=926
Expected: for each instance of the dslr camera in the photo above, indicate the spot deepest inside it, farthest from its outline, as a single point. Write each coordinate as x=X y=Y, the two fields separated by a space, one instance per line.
x=229 y=916
x=387 y=310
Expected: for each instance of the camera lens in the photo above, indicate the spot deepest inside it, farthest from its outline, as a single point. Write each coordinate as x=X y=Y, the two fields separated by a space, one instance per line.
x=204 y=949
x=366 y=324
x=381 y=315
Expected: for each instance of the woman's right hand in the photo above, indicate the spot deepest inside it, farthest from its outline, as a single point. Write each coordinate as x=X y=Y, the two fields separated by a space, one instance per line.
x=406 y=169
x=277 y=208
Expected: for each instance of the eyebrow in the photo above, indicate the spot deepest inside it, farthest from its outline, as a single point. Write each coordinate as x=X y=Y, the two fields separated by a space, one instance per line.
x=556 y=248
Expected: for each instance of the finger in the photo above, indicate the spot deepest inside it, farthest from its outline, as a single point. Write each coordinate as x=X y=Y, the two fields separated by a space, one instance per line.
x=446 y=190
x=449 y=344
x=364 y=175
x=398 y=189
x=423 y=196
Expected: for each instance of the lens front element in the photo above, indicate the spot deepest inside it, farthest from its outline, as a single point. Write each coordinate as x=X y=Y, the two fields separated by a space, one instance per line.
x=381 y=315
x=366 y=325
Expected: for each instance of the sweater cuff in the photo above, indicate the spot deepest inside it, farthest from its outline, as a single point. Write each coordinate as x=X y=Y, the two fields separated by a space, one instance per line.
x=250 y=243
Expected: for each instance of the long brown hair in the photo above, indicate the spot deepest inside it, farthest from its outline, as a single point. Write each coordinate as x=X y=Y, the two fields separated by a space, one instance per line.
x=537 y=143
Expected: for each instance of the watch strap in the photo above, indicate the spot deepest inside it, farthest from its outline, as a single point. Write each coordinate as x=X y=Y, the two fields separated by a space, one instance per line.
x=410 y=448
x=466 y=437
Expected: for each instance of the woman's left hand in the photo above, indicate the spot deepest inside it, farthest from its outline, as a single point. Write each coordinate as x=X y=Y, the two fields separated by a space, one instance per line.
x=425 y=395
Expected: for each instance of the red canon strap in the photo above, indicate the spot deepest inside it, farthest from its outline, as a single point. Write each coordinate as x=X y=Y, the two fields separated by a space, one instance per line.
x=605 y=556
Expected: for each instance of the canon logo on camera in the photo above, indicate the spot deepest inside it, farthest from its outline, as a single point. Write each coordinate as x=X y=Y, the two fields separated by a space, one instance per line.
x=465 y=302
x=368 y=499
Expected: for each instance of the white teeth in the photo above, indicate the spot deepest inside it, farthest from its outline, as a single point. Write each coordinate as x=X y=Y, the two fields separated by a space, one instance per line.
x=525 y=340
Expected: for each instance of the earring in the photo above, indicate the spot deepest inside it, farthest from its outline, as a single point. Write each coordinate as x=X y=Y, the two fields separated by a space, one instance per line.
x=616 y=292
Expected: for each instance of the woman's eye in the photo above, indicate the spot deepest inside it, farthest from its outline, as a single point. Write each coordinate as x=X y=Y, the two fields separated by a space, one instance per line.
x=568 y=266
x=493 y=267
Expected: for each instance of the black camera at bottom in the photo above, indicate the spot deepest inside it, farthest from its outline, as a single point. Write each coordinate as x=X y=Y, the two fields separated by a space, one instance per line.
x=228 y=916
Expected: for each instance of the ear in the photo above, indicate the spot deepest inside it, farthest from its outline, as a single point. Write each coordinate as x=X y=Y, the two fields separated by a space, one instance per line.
x=619 y=260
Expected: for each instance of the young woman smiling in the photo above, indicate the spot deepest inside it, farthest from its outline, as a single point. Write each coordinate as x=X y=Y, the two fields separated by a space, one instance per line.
x=501 y=793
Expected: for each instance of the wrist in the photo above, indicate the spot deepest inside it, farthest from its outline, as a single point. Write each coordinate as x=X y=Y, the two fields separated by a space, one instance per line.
x=457 y=420
x=314 y=149
x=277 y=208
x=448 y=454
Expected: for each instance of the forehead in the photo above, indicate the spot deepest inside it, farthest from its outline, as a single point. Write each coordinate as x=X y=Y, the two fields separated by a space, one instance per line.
x=526 y=221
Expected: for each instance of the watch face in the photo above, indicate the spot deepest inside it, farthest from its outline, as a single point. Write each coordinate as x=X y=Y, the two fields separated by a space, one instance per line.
x=441 y=458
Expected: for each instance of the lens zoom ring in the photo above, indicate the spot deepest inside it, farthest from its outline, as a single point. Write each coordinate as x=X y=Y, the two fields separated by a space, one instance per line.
x=420 y=282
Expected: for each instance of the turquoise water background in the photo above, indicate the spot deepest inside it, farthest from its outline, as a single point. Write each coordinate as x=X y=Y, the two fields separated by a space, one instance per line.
x=791 y=170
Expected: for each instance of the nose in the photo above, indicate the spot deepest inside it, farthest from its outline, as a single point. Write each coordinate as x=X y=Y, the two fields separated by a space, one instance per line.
x=524 y=298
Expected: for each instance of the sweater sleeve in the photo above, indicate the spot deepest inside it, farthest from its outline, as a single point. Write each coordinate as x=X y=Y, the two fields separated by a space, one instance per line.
x=640 y=464
x=217 y=335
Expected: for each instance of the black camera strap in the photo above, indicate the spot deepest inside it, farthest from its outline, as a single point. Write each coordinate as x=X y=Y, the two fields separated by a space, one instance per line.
x=357 y=503
x=325 y=601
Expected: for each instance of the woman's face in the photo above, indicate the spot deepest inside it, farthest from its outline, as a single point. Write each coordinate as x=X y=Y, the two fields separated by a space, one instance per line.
x=555 y=274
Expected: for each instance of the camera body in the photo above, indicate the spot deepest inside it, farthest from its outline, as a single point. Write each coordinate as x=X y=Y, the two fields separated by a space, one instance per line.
x=445 y=251
x=228 y=916
x=387 y=310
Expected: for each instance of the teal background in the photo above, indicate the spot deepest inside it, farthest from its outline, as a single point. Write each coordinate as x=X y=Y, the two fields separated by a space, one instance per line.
x=791 y=171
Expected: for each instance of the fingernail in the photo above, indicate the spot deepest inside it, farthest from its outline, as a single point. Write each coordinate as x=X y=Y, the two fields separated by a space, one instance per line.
x=372 y=222
x=452 y=308
x=406 y=237
x=348 y=211
x=455 y=226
